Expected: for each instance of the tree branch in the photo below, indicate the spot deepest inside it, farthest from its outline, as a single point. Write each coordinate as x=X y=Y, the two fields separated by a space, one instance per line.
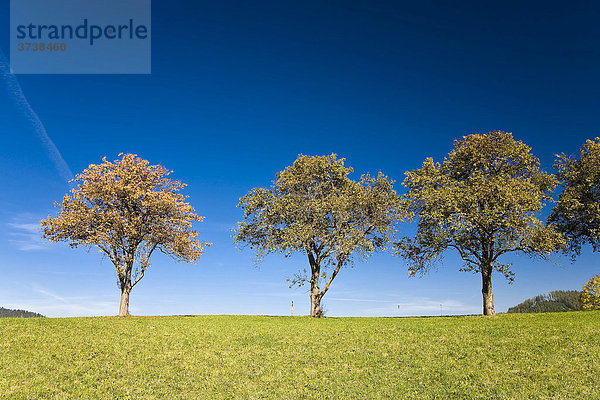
x=341 y=261
x=464 y=256
x=333 y=274
x=144 y=264
x=510 y=250
x=139 y=278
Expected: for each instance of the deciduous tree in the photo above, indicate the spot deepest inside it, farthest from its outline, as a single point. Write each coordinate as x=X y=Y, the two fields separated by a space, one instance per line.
x=127 y=209
x=313 y=207
x=590 y=296
x=577 y=211
x=480 y=201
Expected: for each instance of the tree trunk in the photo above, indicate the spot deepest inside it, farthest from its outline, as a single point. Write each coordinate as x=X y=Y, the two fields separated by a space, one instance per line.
x=315 y=293
x=315 y=305
x=486 y=290
x=124 y=306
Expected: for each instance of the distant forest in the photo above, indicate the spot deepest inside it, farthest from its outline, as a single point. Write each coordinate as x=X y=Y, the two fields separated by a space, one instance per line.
x=558 y=300
x=5 y=312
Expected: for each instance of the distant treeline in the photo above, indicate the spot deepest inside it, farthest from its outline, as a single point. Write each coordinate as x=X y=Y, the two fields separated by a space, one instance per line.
x=5 y=312
x=558 y=300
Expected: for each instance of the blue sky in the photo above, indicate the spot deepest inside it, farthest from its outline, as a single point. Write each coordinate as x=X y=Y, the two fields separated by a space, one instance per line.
x=238 y=90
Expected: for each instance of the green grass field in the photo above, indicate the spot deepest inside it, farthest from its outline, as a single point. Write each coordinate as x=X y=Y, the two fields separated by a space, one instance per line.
x=512 y=356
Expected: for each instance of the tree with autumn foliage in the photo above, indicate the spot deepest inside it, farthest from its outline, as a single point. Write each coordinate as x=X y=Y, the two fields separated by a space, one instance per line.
x=481 y=201
x=590 y=294
x=127 y=209
x=315 y=208
x=577 y=211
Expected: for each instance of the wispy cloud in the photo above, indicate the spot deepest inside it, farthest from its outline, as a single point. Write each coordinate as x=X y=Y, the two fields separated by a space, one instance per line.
x=359 y=300
x=51 y=295
x=423 y=306
x=58 y=309
x=47 y=302
x=26 y=236
x=390 y=306
x=14 y=89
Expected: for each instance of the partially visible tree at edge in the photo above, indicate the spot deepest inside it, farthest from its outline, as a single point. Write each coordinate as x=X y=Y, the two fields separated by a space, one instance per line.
x=577 y=211
x=590 y=295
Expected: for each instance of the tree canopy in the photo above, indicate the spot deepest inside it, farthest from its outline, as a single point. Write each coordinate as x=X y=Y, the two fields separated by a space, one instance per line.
x=127 y=209
x=590 y=296
x=315 y=208
x=577 y=211
x=482 y=202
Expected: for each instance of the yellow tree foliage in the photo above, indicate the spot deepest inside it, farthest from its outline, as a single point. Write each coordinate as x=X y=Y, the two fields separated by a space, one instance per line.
x=314 y=208
x=482 y=202
x=577 y=211
x=127 y=209
x=590 y=296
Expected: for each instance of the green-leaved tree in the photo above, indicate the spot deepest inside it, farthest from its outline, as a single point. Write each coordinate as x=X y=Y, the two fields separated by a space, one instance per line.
x=480 y=201
x=314 y=208
x=577 y=211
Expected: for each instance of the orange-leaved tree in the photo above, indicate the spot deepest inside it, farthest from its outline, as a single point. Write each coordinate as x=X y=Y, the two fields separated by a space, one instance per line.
x=127 y=209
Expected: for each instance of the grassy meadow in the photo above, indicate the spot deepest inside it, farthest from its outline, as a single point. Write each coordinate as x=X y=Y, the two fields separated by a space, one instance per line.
x=512 y=356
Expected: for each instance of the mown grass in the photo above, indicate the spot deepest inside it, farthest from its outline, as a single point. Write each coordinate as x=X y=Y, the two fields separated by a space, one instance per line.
x=512 y=356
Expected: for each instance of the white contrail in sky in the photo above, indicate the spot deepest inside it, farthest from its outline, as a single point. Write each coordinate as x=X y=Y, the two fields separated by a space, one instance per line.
x=16 y=93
